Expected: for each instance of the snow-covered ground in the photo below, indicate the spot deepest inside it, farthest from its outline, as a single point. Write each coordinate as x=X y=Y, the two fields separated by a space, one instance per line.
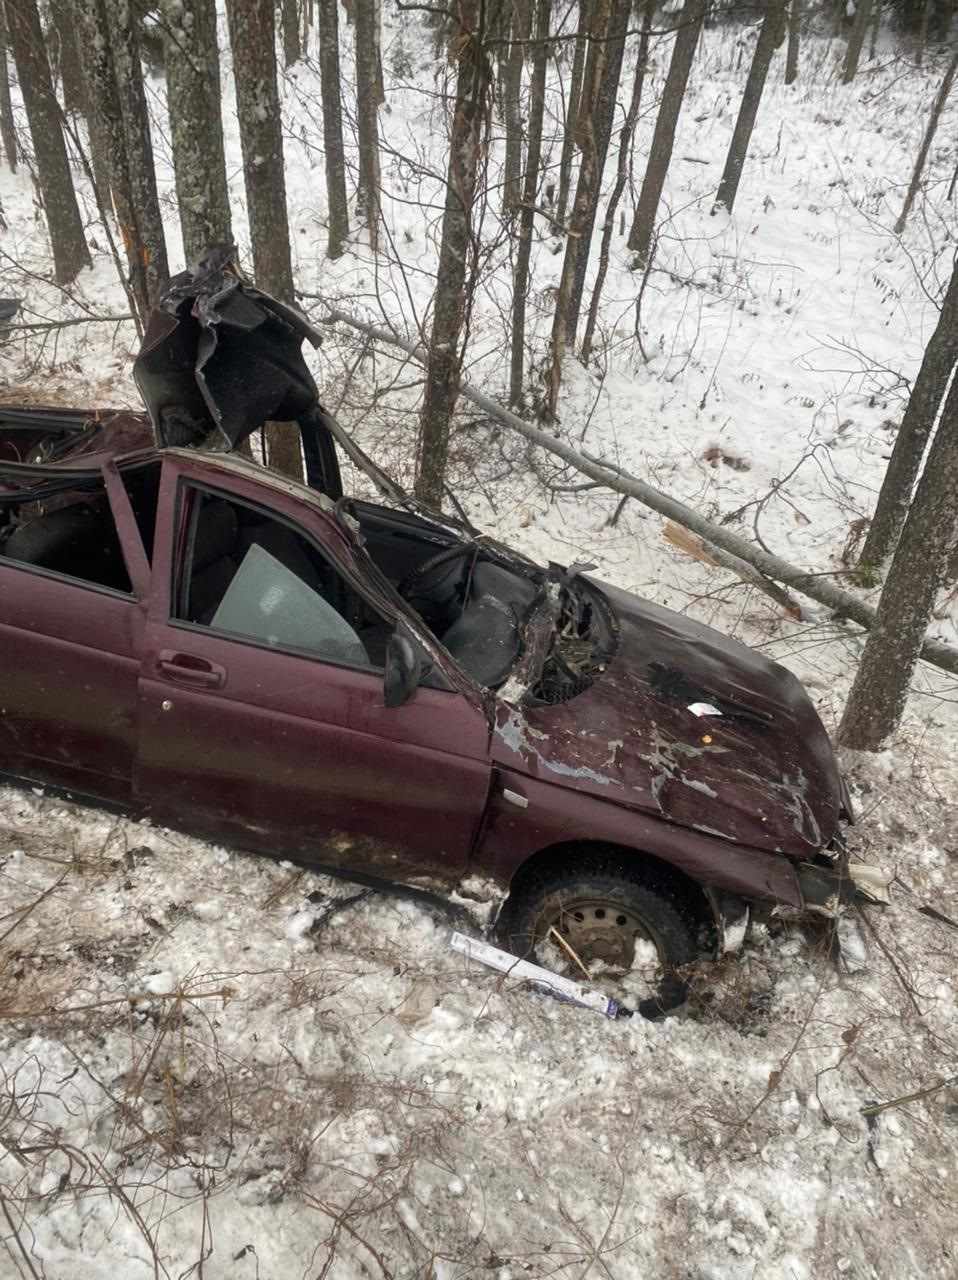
x=217 y=1065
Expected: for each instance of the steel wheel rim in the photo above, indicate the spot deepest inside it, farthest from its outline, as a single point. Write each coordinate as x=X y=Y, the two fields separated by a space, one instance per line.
x=598 y=930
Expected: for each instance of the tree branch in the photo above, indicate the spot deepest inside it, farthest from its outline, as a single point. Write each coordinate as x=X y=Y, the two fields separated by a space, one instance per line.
x=814 y=585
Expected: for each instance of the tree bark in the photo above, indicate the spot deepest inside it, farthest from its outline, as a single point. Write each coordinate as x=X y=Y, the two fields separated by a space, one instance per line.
x=794 y=41
x=940 y=100
x=572 y=112
x=939 y=360
x=625 y=150
x=855 y=41
x=70 y=253
x=453 y=290
x=196 y=126
x=512 y=66
x=333 y=128
x=368 y=97
x=292 y=50
x=139 y=144
x=880 y=690
x=68 y=59
x=253 y=40
x=111 y=163
x=594 y=127
x=769 y=38
x=8 y=133
x=926 y=9
x=815 y=586
x=520 y=280
x=663 y=139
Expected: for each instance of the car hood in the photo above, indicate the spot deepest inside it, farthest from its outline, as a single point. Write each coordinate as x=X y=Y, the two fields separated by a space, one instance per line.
x=761 y=773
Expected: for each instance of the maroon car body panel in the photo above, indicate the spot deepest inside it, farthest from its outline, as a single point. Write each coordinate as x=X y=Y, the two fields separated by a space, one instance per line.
x=767 y=778
x=69 y=657
x=294 y=755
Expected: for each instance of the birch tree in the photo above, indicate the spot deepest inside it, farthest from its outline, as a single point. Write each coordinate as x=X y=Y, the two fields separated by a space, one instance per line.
x=453 y=289
x=770 y=36
x=196 y=126
x=663 y=139
x=70 y=252
x=253 y=41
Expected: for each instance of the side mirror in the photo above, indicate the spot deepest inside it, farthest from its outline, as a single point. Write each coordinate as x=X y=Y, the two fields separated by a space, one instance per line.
x=403 y=670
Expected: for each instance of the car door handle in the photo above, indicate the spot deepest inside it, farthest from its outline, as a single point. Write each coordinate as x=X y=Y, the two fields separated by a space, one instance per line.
x=186 y=668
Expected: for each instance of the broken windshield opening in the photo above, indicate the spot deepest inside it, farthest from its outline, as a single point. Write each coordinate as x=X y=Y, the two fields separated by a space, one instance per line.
x=534 y=634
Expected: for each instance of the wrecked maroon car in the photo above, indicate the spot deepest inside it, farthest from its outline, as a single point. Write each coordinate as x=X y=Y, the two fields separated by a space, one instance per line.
x=194 y=639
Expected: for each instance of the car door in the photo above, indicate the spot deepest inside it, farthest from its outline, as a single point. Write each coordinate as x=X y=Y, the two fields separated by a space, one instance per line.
x=73 y=586
x=275 y=739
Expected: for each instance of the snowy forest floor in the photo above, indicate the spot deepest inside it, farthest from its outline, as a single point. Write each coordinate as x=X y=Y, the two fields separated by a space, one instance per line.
x=307 y=1082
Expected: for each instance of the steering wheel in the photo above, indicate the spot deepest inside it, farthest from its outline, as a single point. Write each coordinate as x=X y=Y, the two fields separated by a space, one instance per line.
x=414 y=577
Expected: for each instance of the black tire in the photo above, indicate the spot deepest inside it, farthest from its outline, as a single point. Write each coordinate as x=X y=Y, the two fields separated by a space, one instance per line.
x=597 y=904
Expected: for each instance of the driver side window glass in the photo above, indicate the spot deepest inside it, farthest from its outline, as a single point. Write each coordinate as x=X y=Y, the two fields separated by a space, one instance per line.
x=248 y=574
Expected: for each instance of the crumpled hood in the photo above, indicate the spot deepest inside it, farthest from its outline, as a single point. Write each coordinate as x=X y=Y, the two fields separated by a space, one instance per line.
x=763 y=773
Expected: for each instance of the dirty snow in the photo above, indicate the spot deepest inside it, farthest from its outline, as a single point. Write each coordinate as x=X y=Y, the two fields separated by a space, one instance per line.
x=223 y=1066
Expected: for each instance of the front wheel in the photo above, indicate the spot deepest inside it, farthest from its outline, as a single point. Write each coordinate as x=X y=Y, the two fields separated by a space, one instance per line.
x=604 y=920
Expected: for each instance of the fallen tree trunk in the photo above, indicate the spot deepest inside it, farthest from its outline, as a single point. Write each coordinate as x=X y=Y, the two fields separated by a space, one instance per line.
x=815 y=586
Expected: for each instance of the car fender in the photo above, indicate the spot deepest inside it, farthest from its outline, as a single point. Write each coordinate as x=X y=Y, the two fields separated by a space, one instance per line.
x=525 y=816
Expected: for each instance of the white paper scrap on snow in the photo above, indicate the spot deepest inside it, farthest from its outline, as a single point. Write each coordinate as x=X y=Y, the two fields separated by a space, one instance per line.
x=553 y=983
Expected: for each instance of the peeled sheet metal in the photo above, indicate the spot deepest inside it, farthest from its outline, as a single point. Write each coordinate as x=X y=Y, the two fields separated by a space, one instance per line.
x=523 y=970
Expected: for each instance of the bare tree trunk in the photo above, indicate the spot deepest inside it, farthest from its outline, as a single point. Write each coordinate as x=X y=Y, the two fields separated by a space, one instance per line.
x=68 y=60
x=940 y=358
x=625 y=150
x=196 y=126
x=8 y=133
x=876 y=28
x=253 y=40
x=292 y=49
x=512 y=112
x=769 y=38
x=70 y=253
x=599 y=134
x=520 y=284
x=926 y=141
x=333 y=128
x=923 y=32
x=572 y=111
x=368 y=98
x=663 y=139
x=594 y=127
x=139 y=145
x=855 y=41
x=794 y=41
x=453 y=290
x=108 y=143
x=878 y=696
